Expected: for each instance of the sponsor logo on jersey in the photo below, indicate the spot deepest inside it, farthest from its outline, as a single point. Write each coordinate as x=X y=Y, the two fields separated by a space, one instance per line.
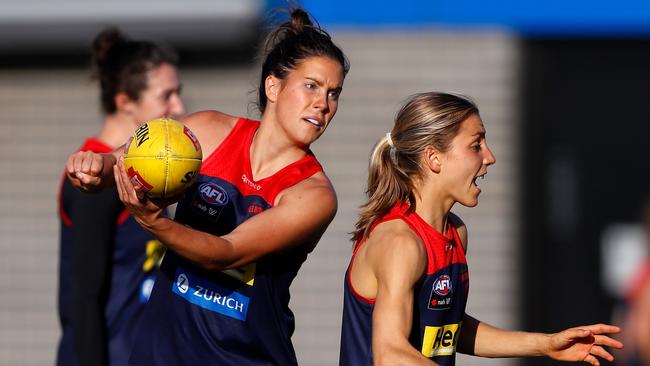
x=213 y=194
x=441 y=293
x=254 y=209
x=209 y=295
x=182 y=283
x=440 y=341
x=442 y=285
x=250 y=183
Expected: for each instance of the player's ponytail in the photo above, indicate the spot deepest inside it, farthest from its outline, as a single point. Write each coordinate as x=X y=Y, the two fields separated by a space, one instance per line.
x=292 y=42
x=426 y=119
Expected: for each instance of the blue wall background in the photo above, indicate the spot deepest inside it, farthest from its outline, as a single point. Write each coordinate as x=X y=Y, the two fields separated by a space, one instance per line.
x=528 y=17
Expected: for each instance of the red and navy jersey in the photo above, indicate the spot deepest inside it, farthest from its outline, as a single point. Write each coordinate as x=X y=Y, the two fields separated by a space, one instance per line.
x=237 y=316
x=105 y=274
x=439 y=299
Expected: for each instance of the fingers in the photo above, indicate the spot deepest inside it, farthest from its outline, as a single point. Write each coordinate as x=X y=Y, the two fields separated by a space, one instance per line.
x=139 y=193
x=118 y=182
x=607 y=341
x=85 y=168
x=592 y=360
x=129 y=194
x=602 y=328
x=602 y=353
x=575 y=333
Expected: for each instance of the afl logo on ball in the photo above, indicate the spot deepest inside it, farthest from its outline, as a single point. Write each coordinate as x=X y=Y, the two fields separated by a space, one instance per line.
x=213 y=194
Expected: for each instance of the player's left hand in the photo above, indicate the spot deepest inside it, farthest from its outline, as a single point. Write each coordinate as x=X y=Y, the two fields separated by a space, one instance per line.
x=583 y=344
x=145 y=210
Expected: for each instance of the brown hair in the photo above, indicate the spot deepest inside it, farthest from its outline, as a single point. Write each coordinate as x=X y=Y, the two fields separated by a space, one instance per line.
x=292 y=42
x=431 y=118
x=121 y=65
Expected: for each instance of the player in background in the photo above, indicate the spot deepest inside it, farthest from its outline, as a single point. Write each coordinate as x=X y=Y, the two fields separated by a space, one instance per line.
x=635 y=316
x=106 y=258
x=407 y=283
x=260 y=204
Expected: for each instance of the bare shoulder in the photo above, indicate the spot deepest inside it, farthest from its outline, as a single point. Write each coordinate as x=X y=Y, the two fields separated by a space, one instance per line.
x=394 y=246
x=461 y=228
x=210 y=128
x=316 y=191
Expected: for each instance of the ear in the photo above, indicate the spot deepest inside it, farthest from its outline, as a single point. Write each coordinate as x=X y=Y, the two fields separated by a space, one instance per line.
x=272 y=88
x=432 y=158
x=124 y=103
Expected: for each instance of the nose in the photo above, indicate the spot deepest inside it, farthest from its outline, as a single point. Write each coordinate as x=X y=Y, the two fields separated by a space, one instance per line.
x=176 y=107
x=321 y=102
x=488 y=156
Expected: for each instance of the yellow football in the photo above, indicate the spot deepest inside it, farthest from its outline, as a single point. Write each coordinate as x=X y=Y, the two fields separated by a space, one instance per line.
x=163 y=156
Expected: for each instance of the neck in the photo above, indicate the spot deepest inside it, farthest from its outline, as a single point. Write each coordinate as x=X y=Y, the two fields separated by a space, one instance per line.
x=116 y=130
x=271 y=150
x=432 y=206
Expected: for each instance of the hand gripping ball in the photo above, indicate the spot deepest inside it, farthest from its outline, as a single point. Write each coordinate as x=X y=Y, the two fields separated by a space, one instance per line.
x=163 y=156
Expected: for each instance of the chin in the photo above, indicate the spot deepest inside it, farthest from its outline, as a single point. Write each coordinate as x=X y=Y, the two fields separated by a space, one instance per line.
x=471 y=202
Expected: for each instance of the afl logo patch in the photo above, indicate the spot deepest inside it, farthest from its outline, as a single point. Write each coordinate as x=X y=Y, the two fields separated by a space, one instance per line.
x=213 y=194
x=441 y=293
x=442 y=285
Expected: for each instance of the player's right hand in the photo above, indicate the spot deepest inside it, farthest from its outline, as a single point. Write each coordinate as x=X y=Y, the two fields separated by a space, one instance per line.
x=84 y=169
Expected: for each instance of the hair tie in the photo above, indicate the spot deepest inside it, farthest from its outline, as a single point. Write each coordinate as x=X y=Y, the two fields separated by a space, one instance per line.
x=390 y=140
x=393 y=149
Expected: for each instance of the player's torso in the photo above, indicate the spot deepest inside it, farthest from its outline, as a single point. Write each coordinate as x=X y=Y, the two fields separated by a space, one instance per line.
x=236 y=312
x=441 y=296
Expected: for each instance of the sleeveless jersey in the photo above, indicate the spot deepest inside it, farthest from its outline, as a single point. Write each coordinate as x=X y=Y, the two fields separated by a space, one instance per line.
x=132 y=260
x=237 y=316
x=438 y=305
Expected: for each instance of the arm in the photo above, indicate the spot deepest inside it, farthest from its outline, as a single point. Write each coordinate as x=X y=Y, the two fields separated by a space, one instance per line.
x=573 y=344
x=398 y=261
x=93 y=217
x=90 y=171
x=300 y=216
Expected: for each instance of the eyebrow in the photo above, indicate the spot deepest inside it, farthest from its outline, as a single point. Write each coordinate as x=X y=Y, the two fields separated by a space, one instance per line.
x=320 y=83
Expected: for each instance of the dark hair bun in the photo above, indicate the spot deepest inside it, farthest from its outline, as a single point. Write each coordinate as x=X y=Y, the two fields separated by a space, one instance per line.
x=299 y=20
x=104 y=42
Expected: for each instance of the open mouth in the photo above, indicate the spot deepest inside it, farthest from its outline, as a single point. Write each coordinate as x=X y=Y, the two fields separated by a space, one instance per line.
x=481 y=177
x=313 y=122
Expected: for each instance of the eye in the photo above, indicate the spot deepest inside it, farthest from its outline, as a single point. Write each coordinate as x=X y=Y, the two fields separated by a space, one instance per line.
x=476 y=147
x=310 y=85
x=334 y=94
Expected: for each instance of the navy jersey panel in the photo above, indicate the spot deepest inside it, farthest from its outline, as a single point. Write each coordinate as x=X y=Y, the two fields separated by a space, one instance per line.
x=356 y=334
x=439 y=299
x=438 y=313
x=127 y=283
x=237 y=316
x=216 y=206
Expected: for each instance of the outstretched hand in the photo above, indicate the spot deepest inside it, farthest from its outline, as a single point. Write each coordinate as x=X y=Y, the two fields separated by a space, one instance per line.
x=144 y=209
x=583 y=344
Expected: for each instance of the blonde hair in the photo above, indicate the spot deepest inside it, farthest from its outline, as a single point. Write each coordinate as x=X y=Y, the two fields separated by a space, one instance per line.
x=431 y=118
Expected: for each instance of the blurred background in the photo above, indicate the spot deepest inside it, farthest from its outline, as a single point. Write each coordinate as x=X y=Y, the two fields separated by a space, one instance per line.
x=563 y=92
